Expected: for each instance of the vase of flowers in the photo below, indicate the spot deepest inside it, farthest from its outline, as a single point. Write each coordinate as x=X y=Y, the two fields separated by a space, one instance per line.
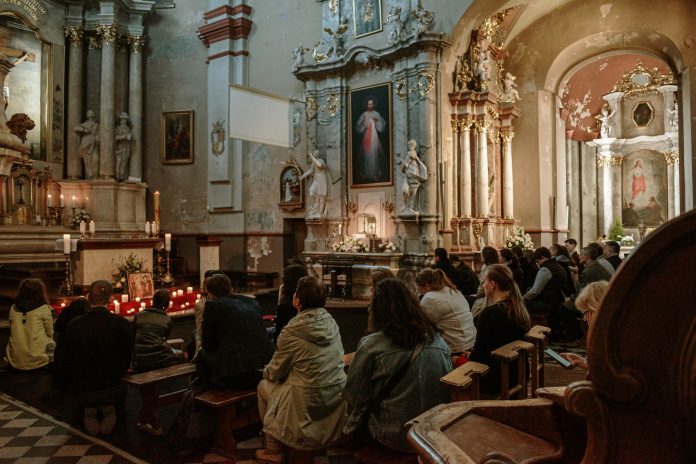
x=387 y=247
x=129 y=265
x=81 y=215
x=519 y=238
x=350 y=245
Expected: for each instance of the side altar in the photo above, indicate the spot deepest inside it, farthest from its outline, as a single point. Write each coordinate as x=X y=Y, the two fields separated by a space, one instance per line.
x=96 y=258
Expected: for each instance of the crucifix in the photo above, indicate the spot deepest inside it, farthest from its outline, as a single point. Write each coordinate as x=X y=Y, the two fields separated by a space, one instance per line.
x=7 y=52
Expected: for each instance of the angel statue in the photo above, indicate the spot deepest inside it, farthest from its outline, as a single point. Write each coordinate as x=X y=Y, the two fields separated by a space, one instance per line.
x=423 y=21
x=395 y=25
x=483 y=68
x=337 y=37
x=510 y=93
x=604 y=127
x=298 y=57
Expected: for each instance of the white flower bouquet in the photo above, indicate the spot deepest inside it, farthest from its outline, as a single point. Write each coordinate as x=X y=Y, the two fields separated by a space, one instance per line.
x=125 y=266
x=388 y=247
x=80 y=216
x=519 y=239
x=350 y=245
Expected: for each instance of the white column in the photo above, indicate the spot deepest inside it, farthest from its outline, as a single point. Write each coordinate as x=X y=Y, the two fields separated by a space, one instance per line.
x=465 y=137
x=604 y=163
x=507 y=175
x=75 y=35
x=453 y=188
x=482 y=170
x=108 y=34
x=135 y=104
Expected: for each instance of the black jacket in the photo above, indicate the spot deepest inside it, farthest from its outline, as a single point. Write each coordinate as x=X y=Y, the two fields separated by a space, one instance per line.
x=94 y=352
x=151 y=329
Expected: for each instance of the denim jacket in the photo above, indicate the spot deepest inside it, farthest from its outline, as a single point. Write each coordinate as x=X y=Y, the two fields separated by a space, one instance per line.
x=376 y=360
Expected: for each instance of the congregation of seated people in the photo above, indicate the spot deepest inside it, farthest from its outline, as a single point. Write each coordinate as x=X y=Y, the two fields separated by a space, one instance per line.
x=310 y=393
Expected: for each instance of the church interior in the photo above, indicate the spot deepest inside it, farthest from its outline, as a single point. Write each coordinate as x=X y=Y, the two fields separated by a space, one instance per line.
x=147 y=142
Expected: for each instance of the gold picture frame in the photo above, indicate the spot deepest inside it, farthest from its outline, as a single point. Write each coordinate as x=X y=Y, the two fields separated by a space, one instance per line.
x=367 y=17
x=177 y=137
x=140 y=285
x=292 y=192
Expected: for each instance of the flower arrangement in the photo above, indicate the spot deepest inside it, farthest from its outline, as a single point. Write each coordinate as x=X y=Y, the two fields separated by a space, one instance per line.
x=79 y=216
x=125 y=266
x=519 y=238
x=350 y=245
x=387 y=247
x=626 y=240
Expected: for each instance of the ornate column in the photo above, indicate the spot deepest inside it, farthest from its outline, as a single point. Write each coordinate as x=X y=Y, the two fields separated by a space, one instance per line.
x=135 y=104
x=450 y=167
x=75 y=35
x=507 y=174
x=604 y=161
x=482 y=169
x=465 y=137
x=672 y=159
x=108 y=34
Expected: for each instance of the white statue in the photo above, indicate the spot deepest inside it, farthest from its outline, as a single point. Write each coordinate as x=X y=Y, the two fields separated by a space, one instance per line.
x=483 y=67
x=124 y=142
x=424 y=20
x=395 y=25
x=321 y=186
x=88 y=145
x=605 y=128
x=415 y=172
x=674 y=116
x=298 y=57
x=288 y=190
x=510 y=93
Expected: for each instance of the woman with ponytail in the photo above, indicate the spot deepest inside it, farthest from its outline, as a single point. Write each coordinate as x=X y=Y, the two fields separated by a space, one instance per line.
x=504 y=320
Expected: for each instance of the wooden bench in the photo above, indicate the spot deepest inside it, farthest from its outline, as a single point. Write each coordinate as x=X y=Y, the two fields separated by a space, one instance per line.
x=148 y=385
x=224 y=403
x=517 y=350
x=537 y=336
x=463 y=381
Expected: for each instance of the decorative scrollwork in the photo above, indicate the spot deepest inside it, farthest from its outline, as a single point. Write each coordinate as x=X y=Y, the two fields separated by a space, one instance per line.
x=333 y=104
x=321 y=51
x=641 y=80
x=333 y=7
x=312 y=107
x=401 y=89
x=609 y=160
x=426 y=82
x=94 y=42
x=507 y=136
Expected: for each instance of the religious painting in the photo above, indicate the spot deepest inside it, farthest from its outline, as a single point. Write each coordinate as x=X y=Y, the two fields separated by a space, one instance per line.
x=140 y=285
x=643 y=114
x=291 y=187
x=370 y=136
x=644 y=189
x=367 y=17
x=177 y=137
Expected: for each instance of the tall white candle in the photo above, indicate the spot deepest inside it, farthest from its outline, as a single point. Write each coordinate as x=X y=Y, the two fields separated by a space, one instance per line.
x=179 y=292
x=49 y=201
x=73 y=202
x=92 y=227
x=62 y=200
x=66 y=244
x=83 y=227
x=117 y=306
x=124 y=298
x=189 y=289
x=147 y=228
x=168 y=242
x=153 y=228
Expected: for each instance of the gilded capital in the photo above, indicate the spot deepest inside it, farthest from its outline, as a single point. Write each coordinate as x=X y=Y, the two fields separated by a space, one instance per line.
x=75 y=35
x=455 y=125
x=465 y=125
x=672 y=157
x=108 y=33
x=482 y=125
x=137 y=43
x=609 y=160
x=507 y=136
x=94 y=42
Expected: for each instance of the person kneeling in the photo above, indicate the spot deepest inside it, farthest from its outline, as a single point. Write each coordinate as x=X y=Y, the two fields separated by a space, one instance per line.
x=151 y=328
x=300 y=395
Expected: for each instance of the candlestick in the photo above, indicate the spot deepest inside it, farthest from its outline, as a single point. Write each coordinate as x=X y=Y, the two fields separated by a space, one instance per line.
x=67 y=282
x=168 y=242
x=154 y=228
x=62 y=201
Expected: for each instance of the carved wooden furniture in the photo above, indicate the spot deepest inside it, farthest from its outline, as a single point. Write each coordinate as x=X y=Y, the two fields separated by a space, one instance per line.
x=340 y=272
x=224 y=403
x=639 y=406
x=537 y=336
x=519 y=351
x=463 y=381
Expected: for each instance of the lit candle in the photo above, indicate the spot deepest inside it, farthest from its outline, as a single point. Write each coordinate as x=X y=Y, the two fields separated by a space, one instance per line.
x=189 y=289
x=73 y=202
x=171 y=304
x=124 y=298
x=117 y=306
x=137 y=299
x=142 y=305
x=62 y=305
x=49 y=201
x=174 y=294
x=66 y=244
x=62 y=201
x=147 y=228
x=154 y=228
x=183 y=306
x=198 y=296
x=92 y=227
x=179 y=292
x=83 y=227
x=168 y=242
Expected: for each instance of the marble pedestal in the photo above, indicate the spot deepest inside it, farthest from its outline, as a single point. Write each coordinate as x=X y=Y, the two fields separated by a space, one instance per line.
x=97 y=259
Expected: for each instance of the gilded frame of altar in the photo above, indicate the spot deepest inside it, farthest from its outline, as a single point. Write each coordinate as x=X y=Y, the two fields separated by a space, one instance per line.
x=291 y=187
x=377 y=167
x=177 y=137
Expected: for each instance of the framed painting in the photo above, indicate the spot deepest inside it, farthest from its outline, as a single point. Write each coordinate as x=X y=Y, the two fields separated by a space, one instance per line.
x=644 y=189
x=367 y=17
x=370 y=136
x=140 y=285
x=291 y=187
x=177 y=137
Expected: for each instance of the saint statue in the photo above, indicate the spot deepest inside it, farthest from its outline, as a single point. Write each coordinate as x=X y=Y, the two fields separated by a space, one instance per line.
x=124 y=142
x=321 y=186
x=88 y=145
x=415 y=172
x=674 y=116
x=510 y=93
x=483 y=68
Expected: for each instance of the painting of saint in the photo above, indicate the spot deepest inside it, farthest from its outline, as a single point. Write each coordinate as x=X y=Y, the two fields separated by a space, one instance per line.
x=370 y=138
x=638 y=180
x=177 y=137
x=644 y=188
x=367 y=17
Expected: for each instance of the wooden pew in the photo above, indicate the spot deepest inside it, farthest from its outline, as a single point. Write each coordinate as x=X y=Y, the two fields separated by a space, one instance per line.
x=224 y=403
x=537 y=336
x=517 y=350
x=148 y=384
x=463 y=381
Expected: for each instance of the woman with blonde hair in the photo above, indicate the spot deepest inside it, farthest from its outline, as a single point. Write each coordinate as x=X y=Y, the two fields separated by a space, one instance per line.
x=447 y=309
x=588 y=302
x=504 y=320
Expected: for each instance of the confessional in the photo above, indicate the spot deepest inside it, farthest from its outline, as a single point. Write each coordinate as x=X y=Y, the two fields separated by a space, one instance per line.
x=638 y=403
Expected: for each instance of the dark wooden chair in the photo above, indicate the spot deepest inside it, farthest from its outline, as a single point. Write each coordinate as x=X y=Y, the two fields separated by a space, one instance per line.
x=518 y=351
x=537 y=335
x=640 y=404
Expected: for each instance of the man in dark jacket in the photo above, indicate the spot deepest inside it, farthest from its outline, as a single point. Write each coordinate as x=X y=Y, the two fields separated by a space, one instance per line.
x=151 y=329
x=547 y=291
x=93 y=354
x=235 y=344
x=462 y=276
